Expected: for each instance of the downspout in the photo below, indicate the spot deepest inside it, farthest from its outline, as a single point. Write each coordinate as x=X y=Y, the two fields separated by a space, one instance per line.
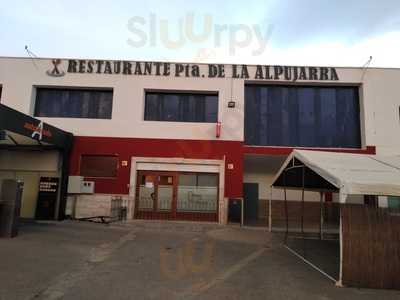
x=64 y=178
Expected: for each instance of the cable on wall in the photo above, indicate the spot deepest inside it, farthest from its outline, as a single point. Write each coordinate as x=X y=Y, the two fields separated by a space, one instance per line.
x=31 y=55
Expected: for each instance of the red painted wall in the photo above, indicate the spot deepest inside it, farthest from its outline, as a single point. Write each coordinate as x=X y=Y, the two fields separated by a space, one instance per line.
x=125 y=148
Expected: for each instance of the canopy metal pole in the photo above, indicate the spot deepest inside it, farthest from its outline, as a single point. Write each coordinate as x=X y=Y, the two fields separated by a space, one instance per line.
x=286 y=207
x=302 y=205
x=342 y=201
x=270 y=210
x=321 y=220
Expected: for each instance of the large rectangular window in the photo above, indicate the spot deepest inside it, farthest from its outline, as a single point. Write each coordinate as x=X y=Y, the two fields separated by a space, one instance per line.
x=99 y=166
x=181 y=107
x=197 y=193
x=73 y=103
x=302 y=116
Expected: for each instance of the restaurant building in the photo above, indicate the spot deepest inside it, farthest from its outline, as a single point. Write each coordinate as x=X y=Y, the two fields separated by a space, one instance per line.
x=182 y=141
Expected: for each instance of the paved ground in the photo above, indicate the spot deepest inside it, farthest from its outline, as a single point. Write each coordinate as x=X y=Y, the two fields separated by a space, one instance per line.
x=158 y=260
x=323 y=254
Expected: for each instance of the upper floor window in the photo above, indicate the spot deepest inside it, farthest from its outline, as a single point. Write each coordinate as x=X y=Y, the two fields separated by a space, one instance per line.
x=73 y=103
x=181 y=107
x=302 y=116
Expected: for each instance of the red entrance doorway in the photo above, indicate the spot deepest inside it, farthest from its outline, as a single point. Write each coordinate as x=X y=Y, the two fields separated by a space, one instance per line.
x=176 y=196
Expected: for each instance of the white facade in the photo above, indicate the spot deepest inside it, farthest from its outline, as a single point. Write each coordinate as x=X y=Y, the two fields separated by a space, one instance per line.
x=19 y=77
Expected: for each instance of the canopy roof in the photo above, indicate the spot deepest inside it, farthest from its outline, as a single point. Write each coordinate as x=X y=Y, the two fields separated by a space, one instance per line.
x=18 y=130
x=356 y=174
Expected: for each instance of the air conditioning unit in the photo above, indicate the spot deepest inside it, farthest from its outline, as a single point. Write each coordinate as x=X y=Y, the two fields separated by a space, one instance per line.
x=77 y=185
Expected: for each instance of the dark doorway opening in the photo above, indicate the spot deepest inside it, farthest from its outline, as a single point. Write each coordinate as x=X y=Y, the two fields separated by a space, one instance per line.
x=250 y=203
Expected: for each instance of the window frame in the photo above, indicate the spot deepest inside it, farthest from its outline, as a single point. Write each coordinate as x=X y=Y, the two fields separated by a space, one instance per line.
x=197 y=175
x=360 y=103
x=71 y=88
x=181 y=92
x=398 y=110
x=99 y=155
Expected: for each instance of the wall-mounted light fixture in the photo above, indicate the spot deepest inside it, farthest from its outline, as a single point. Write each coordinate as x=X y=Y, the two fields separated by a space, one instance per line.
x=231 y=104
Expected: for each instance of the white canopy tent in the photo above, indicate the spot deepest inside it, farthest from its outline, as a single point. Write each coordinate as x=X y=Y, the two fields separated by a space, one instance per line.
x=343 y=173
x=351 y=174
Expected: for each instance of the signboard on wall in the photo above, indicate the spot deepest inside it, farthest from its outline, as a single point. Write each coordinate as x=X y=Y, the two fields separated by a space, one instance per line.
x=17 y=122
x=47 y=198
x=60 y=68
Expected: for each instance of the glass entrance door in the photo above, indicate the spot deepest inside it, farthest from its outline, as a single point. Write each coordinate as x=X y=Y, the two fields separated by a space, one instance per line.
x=165 y=192
x=155 y=195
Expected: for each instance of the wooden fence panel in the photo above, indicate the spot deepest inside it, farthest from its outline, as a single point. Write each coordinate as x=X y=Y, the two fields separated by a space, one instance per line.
x=371 y=247
x=312 y=214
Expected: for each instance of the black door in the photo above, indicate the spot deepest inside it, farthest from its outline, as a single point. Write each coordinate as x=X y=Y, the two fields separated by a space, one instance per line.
x=250 y=193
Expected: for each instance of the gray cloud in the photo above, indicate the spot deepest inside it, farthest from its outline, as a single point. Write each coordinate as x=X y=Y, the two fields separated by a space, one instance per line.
x=300 y=22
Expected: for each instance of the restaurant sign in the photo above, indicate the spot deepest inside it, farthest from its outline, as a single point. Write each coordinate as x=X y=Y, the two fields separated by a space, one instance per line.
x=166 y=69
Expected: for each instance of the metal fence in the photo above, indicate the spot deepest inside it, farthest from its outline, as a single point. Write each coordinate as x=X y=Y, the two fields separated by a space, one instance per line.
x=119 y=208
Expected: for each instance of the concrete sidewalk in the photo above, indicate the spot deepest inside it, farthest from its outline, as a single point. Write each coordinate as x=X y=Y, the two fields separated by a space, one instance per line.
x=158 y=260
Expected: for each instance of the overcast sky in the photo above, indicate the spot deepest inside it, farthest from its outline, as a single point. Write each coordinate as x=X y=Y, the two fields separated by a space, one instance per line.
x=289 y=32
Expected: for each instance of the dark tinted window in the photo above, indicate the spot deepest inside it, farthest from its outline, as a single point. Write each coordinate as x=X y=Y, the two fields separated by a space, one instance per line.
x=99 y=166
x=181 y=107
x=302 y=116
x=73 y=103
